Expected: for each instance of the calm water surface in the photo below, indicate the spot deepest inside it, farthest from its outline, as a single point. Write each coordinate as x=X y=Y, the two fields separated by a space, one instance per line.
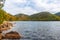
x=38 y=30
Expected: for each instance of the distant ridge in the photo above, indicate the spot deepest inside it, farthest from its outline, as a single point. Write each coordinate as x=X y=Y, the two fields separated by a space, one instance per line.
x=58 y=14
x=23 y=17
x=44 y=16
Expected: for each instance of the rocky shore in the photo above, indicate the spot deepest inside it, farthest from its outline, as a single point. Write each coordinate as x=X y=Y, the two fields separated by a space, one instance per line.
x=11 y=35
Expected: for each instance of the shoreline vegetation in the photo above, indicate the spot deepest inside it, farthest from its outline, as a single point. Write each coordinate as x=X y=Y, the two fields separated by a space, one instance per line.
x=41 y=16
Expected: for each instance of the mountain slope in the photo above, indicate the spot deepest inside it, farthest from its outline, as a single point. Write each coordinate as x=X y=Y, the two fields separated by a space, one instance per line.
x=23 y=17
x=44 y=16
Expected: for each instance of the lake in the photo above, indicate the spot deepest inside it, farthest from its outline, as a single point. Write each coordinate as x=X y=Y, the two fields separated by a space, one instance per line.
x=38 y=30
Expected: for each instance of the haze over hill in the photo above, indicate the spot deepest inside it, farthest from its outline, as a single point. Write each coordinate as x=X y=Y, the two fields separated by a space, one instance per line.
x=58 y=14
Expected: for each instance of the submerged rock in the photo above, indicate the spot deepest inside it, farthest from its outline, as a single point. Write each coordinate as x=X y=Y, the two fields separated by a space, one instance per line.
x=12 y=35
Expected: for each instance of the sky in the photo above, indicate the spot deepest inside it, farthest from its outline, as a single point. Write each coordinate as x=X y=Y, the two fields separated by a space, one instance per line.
x=31 y=6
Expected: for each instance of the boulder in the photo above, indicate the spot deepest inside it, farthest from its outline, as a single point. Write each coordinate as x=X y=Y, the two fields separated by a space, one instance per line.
x=12 y=35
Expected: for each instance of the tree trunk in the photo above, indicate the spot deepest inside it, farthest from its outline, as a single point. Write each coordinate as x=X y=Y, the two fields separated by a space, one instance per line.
x=0 y=36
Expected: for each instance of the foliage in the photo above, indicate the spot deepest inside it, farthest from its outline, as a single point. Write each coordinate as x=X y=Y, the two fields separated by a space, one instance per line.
x=4 y=16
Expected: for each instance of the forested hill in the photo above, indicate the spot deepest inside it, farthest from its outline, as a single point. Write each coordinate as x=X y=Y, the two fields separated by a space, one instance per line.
x=42 y=16
x=4 y=16
x=23 y=17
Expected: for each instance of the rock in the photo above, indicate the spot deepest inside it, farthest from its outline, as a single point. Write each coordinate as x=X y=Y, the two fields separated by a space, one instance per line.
x=12 y=35
x=0 y=36
x=6 y=26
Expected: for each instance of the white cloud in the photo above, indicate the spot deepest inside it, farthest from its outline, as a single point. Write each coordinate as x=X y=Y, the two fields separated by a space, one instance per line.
x=27 y=6
x=13 y=9
x=48 y=5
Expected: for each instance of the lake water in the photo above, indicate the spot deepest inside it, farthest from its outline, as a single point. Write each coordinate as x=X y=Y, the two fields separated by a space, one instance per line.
x=38 y=30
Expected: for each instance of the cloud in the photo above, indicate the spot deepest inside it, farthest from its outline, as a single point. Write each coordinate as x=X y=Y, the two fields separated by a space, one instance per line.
x=49 y=5
x=31 y=6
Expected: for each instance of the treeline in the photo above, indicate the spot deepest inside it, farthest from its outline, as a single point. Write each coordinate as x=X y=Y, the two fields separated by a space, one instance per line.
x=42 y=16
